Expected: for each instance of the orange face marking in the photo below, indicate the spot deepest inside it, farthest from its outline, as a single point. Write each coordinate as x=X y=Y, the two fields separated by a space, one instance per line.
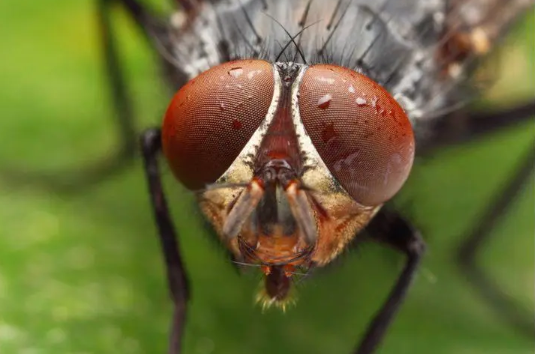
x=275 y=248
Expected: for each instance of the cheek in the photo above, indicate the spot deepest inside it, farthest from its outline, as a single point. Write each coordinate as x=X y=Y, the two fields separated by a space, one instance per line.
x=359 y=130
x=212 y=117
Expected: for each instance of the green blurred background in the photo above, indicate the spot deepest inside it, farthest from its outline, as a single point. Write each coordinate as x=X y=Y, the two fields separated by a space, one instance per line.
x=82 y=273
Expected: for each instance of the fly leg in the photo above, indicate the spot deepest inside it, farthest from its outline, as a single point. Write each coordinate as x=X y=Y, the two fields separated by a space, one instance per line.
x=176 y=273
x=391 y=229
x=459 y=128
x=469 y=127
x=481 y=233
x=77 y=179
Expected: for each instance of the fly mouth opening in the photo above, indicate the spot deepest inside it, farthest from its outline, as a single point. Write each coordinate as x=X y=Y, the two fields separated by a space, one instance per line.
x=276 y=289
x=273 y=257
x=272 y=223
x=273 y=217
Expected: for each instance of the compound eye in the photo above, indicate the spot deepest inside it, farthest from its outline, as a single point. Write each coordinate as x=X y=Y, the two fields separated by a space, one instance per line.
x=212 y=117
x=359 y=130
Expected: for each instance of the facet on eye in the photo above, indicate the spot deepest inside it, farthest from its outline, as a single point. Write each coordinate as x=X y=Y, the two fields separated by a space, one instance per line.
x=211 y=118
x=361 y=133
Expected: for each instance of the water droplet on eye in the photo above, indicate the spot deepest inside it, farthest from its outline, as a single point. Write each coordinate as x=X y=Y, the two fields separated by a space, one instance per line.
x=235 y=72
x=327 y=80
x=328 y=133
x=236 y=124
x=351 y=157
x=222 y=107
x=379 y=109
x=338 y=165
x=361 y=101
x=351 y=89
x=396 y=158
x=325 y=101
x=252 y=74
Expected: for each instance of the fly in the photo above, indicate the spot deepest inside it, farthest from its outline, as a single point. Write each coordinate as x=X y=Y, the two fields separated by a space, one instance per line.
x=295 y=121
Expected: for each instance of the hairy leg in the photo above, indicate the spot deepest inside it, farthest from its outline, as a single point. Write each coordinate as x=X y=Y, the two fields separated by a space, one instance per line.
x=176 y=273
x=78 y=179
x=481 y=233
x=391 y=229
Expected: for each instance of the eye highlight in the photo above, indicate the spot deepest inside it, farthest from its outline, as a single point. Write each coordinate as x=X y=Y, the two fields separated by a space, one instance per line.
x=361 y=133
x=211 y=118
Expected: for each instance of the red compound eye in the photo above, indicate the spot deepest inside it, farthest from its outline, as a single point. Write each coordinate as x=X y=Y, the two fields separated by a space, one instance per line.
x=359 y=130
x=212 y=117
